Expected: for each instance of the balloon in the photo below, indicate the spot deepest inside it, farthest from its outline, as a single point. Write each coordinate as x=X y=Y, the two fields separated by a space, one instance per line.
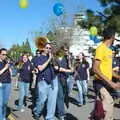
x=93 y=30
x=23 y=3
x=112 y=48
x=58 y=9
x=94 y=39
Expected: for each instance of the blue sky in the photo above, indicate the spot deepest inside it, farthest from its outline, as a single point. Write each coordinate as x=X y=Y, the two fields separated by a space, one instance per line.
x=17 y=24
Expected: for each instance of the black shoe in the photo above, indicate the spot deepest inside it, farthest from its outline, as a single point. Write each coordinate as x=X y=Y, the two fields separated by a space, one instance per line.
x=79 y=104
x=36 y=117
x=84 y=102
x=61 y=118
x=25 y=102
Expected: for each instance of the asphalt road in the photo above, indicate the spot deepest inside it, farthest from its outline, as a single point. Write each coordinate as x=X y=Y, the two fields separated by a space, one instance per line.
x=73 y=113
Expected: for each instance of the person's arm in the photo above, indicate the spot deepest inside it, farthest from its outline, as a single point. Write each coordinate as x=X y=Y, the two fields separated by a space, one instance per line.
x=97 y=71
x=116 y=68
x=115 y=75
x=4 y=69
x=43 y=66
x=61 y=69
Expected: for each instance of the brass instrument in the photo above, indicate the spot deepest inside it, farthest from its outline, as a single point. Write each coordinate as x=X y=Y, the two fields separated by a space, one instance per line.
x=59 y=54
x=40 y=42
x=19 y=64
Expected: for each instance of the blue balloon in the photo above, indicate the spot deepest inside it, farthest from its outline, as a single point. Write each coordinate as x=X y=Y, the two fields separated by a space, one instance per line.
x=112 y=48
x=58 y=9
x=94 y=39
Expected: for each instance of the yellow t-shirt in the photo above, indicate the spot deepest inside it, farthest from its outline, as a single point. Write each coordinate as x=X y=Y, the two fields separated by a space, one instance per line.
x=104 y=54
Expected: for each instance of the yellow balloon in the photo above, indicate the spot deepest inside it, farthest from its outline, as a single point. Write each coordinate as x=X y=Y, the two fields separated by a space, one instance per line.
x=23 y=3
x=93 y=31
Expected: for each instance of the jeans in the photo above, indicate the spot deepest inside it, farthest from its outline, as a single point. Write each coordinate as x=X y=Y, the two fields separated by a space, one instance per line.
x=60 y=101
x=5 y=89
x=82 y=91
x=47 y=92
x=70 y=83
x=23 y=91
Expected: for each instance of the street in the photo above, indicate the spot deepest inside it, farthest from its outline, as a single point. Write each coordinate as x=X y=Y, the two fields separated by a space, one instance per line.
x=73 y=113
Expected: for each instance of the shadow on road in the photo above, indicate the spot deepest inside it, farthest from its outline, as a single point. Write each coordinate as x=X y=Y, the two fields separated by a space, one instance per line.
x=73 y=101
x=70 y=117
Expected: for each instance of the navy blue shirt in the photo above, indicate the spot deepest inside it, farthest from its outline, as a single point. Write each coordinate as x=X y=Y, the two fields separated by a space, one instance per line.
x=63 y=64
x=115 y=62
x=25 y=72
x=4 y=77
x=34 y=60
x=82 y=71
x=48 y=74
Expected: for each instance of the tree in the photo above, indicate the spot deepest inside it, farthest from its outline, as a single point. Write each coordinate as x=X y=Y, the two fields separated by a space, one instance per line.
x=112 y=11
x=108 y=18
x=16 y=50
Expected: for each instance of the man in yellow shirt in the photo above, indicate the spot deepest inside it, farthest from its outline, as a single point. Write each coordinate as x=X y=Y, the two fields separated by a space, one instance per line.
x=102 y=68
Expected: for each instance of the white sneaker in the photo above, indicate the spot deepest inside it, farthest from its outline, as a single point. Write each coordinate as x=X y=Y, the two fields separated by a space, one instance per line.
x=21 y=110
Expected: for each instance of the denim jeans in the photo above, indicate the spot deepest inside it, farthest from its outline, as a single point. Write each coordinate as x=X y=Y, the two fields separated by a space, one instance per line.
x=23 y=91
x=70 y=83
x=82 y=90
x=60 y=101
x=47 y=92
x=4 y=97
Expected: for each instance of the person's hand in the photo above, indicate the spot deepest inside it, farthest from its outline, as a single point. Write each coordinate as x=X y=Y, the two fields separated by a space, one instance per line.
x=56 y=67
x=116 y=85
x=50 y=56
x=35 y=70
x=72 y=69
x=6 y=66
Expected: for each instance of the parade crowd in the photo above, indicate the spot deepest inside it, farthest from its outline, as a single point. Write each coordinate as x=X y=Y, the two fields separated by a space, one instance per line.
x=51 y=77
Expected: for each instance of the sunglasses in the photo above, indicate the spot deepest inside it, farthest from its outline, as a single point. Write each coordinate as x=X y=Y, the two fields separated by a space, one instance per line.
x=4 y=54
x=48 y=48
x=37 y=53
x=65 y=50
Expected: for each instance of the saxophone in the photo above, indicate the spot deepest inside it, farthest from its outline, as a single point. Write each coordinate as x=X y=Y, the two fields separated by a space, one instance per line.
x=20 y=64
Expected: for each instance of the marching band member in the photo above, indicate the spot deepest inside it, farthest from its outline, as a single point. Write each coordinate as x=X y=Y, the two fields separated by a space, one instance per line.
x=5 y=83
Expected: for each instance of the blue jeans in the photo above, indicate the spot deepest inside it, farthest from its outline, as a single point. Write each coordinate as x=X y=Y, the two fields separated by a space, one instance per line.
x=82 y=90
x=23 y=91
x=4 y=97
x=47 y=92
x=60 y=101
x=70 y=83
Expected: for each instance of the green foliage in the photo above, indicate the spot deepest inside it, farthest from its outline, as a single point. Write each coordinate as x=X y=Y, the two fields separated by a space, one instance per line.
x=51 y=36
x=108 y=18
x=16 y=50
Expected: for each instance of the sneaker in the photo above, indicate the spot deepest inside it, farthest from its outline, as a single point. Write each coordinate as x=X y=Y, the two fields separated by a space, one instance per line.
x=79 y=104
x=21 y=110
x=36 y=117
x=61 y=118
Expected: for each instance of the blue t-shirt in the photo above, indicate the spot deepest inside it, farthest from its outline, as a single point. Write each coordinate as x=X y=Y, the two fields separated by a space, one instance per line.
x=63 y=64
x=48 y=73
x=82 y=71
x=4 y=77
x=26 y=72
x=33 y=61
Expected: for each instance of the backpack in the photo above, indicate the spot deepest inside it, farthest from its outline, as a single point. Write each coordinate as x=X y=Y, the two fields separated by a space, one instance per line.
x=98 y=113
